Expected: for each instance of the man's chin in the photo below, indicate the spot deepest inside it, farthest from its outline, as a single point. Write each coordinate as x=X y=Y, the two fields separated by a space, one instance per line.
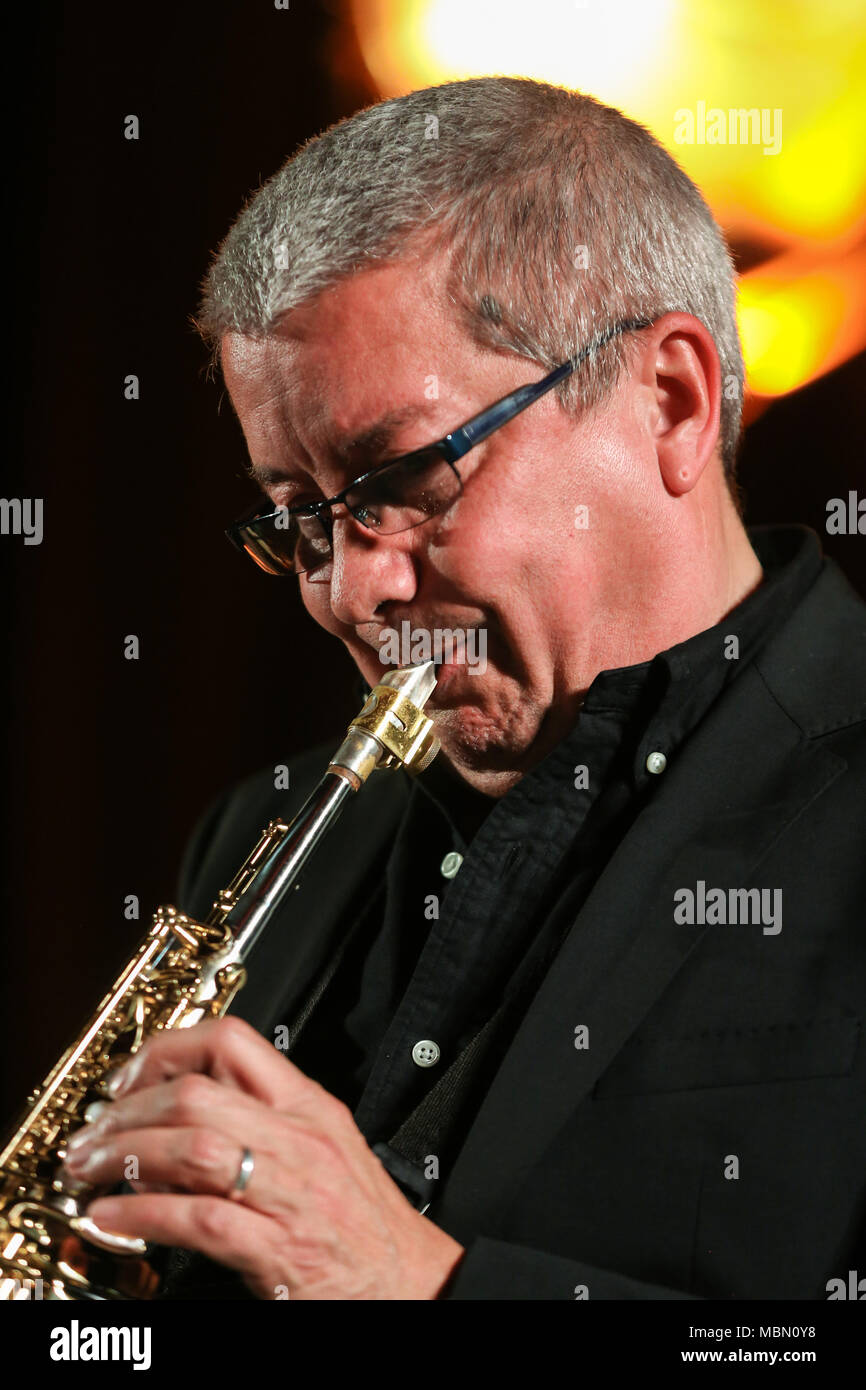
x=482 y=721
x=473 y=739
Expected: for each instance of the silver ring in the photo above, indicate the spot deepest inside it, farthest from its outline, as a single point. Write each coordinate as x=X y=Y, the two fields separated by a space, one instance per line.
x=245 y=1172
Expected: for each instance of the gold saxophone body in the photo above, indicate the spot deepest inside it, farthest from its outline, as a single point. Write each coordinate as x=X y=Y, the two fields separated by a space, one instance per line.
x=183 y=972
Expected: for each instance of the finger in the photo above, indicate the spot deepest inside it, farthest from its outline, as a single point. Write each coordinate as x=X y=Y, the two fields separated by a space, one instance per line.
x=227 y=1049
x=228 y=1232
x=187 y=1160
x=193 y=1099
x=324 y=1134
x=189 y=1101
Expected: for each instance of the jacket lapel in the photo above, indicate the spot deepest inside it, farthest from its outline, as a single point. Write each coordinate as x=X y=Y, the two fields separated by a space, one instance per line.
x=625 y=948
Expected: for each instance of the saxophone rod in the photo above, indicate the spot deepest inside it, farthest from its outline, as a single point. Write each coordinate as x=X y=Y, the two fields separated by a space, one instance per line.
x=360 y=753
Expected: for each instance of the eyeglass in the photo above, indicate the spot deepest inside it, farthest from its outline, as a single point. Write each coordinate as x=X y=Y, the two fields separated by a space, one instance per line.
x=395 y=496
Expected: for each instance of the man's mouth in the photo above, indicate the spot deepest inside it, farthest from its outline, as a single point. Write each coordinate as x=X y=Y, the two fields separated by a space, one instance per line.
x=455 y=684
x=452 y=649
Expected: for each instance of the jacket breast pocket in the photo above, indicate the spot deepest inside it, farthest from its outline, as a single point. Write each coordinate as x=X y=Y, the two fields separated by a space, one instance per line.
x=651 y=1063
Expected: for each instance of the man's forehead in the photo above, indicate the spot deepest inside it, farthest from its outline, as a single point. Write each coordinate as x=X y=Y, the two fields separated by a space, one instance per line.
x=382 y=312
x=352 y=398
x=351 y=411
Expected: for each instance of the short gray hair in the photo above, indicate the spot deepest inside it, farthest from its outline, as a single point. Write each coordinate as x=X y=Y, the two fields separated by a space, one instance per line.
x=561 y=217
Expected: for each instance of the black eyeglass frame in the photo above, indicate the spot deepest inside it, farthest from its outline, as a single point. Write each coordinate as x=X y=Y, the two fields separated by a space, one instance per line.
x=452 y=447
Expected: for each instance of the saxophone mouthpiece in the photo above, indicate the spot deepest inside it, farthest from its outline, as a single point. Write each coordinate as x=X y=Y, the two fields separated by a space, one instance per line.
x=417 y=683
x=391 y=730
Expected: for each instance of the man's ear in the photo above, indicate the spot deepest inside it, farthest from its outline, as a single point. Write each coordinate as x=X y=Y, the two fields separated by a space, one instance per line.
x=681 y=368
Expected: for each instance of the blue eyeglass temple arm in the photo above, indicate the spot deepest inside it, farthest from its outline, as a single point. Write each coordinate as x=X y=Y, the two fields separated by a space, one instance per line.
x=455 y=445
x=472 y=433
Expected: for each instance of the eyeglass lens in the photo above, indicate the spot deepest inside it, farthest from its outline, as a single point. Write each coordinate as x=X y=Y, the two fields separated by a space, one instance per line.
x=396 y=499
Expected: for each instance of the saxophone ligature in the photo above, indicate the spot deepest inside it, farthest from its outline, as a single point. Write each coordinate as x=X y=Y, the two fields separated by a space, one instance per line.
x=183 y=971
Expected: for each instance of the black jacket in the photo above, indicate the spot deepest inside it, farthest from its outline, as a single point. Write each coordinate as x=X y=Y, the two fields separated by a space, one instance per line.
x=711 y=1140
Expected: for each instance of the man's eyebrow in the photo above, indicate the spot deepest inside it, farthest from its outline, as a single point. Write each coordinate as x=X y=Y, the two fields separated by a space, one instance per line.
x=378 y=435
x=348 y=446
x=266 y=477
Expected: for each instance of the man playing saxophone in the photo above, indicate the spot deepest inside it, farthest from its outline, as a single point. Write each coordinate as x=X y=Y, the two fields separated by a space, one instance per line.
x=577 y=1013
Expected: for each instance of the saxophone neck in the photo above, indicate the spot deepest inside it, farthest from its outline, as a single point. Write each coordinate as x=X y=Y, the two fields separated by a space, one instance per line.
x=389 y=731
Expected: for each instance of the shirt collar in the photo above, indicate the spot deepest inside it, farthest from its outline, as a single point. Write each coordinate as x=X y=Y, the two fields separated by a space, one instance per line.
x=681 y=683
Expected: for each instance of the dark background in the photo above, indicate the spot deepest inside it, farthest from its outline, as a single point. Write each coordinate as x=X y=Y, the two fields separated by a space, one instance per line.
x=110 y=762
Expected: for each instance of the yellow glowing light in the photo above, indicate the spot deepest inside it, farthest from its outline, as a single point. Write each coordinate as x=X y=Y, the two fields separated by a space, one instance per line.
x=782 y=332
x=656 y=58
x=796 y=180
x=612 y=43
x=817 y=189
x=798 y=321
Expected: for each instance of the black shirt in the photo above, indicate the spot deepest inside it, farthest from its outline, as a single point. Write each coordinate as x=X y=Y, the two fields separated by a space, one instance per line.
x=435 y=958
x=455 y=961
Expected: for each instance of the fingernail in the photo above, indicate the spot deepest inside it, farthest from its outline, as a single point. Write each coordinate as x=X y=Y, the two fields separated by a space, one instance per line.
x=106 y=1211
x=95 y=1111
x=123 y=1077
x=81 y=1139
x=82 y=1160
x=86 y=1162
x=118 y=1081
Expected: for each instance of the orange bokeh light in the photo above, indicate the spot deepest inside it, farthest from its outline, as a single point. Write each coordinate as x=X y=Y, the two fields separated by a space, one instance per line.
x=797 y=184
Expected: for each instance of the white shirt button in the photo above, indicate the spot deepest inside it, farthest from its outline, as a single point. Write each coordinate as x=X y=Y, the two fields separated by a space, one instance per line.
x=425 y=1053
x=451 y=864
x=656 y=762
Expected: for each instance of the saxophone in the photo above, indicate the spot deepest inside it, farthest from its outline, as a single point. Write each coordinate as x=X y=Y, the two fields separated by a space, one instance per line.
x=183 y=972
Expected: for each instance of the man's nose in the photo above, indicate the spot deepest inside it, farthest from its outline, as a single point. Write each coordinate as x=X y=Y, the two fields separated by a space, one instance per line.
x=368 y=570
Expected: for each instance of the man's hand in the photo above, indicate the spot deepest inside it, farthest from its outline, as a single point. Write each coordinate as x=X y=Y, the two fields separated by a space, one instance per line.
x=319 y=1216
